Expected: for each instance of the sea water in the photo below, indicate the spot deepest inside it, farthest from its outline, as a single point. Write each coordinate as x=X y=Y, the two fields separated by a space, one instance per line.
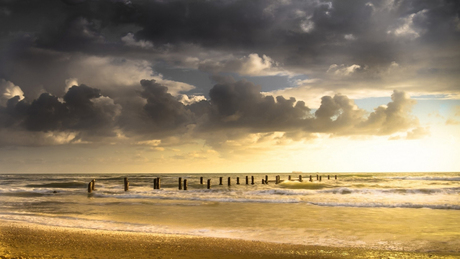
x=395 y=211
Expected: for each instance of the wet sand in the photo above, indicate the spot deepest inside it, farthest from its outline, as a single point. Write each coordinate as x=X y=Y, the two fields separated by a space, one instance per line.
x=25 y=240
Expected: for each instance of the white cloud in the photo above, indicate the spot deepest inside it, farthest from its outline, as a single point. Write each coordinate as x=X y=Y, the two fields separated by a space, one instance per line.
x=307 y=26
x=350 y=37
x=129 y=40
x=343 y=70
x=407 y=27
x=187 y=100
x=252 y=65
x=109 y=73
x=8 y=90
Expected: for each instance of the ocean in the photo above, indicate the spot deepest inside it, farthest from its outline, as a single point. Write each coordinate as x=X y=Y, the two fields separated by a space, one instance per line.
x=391 y=211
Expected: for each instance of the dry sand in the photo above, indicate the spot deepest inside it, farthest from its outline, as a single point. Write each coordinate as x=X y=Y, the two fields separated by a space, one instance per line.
x=25 y=240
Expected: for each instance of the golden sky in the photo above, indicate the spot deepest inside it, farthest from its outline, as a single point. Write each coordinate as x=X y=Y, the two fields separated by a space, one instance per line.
x=229 y=86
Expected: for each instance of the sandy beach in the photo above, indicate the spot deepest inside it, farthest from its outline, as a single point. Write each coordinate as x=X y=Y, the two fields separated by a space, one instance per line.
x=25 y=240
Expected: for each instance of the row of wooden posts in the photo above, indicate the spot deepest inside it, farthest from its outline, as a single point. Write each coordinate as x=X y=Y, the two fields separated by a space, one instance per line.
x=183 y=184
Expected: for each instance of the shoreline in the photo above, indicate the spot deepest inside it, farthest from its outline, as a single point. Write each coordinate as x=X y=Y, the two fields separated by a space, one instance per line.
x=28 y=240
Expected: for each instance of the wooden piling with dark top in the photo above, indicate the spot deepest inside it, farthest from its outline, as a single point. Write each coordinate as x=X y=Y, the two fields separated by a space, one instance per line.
x=229 y=181
x=220 y=180
x=300 y=178
x=180 y=183
x=126 y=184
x=247 y=179
x=201 y=180
x=237 y=180
x=90 y=187
x=266 y=179
x=311 y=180
x=252 y=179
x=263 y=181
x=289 y=178
x=93 y=185
x=317 y=177
x=320 y=178
x=185 y=184
x=328 y=177
x=336 y=177
x=158 y=183
x=155 y=183
x=209 y=184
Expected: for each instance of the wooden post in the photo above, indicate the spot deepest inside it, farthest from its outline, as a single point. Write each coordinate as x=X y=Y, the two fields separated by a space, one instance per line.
x=276 y=179
x=90 y=187
x=289 y=178
x=336 y=177
x=158 y=183
x=317 y=177
x=320 y=178
x=201 y=180
x=311 y=180
x=209 y=183
x=185 y=184
x=252 y=179
x=220 y=180
x=93 y=184
x=263 y=181
x=237 y=180
x=247 y=179
x=126 y=184
x=229 y=181
x=300 y=178
x=180 y=183
x=266 y=179
x=328 y=177
x=155 y=183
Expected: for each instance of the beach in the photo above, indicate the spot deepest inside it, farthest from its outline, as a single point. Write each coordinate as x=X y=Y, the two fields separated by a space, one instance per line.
x=26 y=240
x=413 y=215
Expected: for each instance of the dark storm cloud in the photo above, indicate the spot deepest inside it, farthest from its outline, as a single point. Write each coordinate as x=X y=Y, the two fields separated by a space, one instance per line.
x=164 y=109
x=236 y=108
x=342 y=44
x=82 y=109
x=301 y=35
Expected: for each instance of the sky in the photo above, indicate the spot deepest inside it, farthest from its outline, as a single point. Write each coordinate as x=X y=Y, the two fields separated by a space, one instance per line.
x=182 y=86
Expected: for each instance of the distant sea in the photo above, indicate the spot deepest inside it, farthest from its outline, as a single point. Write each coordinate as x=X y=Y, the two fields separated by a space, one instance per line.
x=391 y=211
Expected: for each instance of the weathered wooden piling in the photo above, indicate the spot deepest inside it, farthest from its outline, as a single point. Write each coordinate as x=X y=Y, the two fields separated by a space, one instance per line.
x=93 y=185
x=237 y=180
x=252 y=179
x=266 y=179
x=311 y=180
x=126 y=184
x=300 y=178
x=320 y=178
x=328 y=177
x=180 y=183
x=317 y=177
x=336 y=177
x=289 y=178
x=263 y=181
x=201 y=180
x=154 y=183
x=229 y=181
x=158 y=183
x=220 y=180
x=185 y=184
x=277 y=179
x=247 y=179
x=90 y=187
x=209 y=184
